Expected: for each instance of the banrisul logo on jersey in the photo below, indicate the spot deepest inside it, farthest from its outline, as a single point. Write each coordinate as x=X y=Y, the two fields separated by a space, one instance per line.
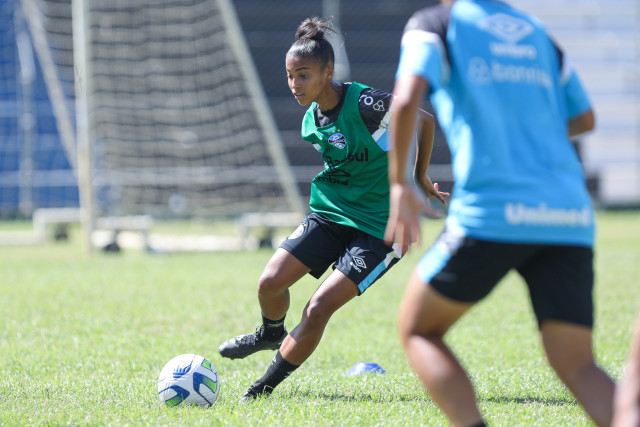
x=338 y=140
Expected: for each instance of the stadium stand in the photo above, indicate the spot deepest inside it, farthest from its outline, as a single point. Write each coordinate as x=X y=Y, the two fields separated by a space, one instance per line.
x=600 y=36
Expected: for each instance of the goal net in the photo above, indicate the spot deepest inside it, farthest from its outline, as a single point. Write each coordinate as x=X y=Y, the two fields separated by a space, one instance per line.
x=171 y=118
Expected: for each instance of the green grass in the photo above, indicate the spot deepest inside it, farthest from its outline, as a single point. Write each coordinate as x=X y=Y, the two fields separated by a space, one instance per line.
x=83 y=339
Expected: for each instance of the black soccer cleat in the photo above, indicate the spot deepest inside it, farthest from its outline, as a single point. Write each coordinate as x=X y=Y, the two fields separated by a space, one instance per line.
x=245 y=345
x=256 y=391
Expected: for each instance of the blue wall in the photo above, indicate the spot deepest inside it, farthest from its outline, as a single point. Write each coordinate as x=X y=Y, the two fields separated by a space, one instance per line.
x=49 y=180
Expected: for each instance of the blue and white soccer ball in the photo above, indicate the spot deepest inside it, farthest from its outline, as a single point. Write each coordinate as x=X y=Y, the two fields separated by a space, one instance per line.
x=188 y=379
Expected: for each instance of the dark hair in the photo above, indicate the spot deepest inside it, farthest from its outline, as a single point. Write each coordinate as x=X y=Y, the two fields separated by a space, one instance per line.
x=310 y=41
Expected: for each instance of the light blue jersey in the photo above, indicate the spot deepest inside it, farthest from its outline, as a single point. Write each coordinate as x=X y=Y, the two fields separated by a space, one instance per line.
x=503 y=93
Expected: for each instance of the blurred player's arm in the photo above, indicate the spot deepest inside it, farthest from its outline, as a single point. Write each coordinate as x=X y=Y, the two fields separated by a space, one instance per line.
x=582 y=123
x=405 y=105
x=580 y=112
x=403 y=226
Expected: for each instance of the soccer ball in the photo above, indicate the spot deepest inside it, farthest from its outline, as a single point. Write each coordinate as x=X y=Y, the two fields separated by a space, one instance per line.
x=188 y=379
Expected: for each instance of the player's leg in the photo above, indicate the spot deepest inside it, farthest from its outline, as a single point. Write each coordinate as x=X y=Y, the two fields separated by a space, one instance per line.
x=425 y=317
x=311 y=248
x=627 y=398
x=453 y=275
x=282 y=271
x=560 y=281
x=332 y=294
x=569 y=351
x=364 y=260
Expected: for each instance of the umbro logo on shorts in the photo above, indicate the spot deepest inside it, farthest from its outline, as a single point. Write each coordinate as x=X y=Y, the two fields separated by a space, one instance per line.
x=358 y=263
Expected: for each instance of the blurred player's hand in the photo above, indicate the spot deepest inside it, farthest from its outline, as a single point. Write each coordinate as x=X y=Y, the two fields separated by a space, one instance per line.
x=403 y=226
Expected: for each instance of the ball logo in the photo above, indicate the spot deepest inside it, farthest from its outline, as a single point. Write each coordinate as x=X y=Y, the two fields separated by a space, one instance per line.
x=338 y=140
x=188 y=379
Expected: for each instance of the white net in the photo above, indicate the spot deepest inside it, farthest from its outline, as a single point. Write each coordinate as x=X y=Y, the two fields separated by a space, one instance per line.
x=176 y=127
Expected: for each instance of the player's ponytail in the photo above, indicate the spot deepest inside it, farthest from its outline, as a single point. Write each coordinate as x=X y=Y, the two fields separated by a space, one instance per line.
x=311 y=41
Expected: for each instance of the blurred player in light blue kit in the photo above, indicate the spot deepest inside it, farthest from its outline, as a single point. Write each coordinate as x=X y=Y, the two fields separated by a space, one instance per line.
x=508 y=102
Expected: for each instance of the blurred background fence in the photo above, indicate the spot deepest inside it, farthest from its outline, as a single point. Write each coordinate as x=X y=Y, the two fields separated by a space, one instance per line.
x=183 y=109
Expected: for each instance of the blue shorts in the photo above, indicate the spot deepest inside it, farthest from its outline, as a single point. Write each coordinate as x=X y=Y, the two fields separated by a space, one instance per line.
x=560 y=278
x=318 y=242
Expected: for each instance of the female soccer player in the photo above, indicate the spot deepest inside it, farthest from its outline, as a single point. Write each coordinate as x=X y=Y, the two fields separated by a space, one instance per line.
x=349 y=204
x=508 y=101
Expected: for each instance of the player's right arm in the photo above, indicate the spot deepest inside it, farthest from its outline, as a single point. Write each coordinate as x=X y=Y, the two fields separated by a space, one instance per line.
x=423 y=64
x=405 y=206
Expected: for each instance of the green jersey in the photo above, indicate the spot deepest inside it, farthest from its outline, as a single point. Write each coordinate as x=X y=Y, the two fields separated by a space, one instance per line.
x=353 y=188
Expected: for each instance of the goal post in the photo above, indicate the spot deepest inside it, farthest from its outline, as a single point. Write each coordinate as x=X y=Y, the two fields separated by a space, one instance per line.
x=81 y=55
x=170 y=116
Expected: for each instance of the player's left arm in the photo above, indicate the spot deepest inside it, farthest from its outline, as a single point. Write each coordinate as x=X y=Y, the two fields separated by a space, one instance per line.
x=424 y=148
x=584 y=122
x=376 y=109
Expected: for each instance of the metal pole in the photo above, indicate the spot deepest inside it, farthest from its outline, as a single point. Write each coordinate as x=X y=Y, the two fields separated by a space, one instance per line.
x=342 y=69
x=82 y=62
x=27 y=118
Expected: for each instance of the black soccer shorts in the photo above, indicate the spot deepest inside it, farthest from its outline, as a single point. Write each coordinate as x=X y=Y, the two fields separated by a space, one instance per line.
x=318 y=242
x=559 y=277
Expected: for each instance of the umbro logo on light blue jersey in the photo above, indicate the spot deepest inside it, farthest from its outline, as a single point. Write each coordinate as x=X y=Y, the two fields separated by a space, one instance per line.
x=506 y=27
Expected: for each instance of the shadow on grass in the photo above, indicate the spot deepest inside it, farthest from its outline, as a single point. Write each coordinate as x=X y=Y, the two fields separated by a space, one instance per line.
x=549 y=401
x=416 y=397
x=352 y=398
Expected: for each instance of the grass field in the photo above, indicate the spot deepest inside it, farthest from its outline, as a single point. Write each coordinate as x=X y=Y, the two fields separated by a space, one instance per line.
x=83 y=339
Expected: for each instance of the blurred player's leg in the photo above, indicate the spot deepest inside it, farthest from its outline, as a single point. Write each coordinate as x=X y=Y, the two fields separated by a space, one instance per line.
x=569 y=350
x=425 y=317
x=627 y=398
